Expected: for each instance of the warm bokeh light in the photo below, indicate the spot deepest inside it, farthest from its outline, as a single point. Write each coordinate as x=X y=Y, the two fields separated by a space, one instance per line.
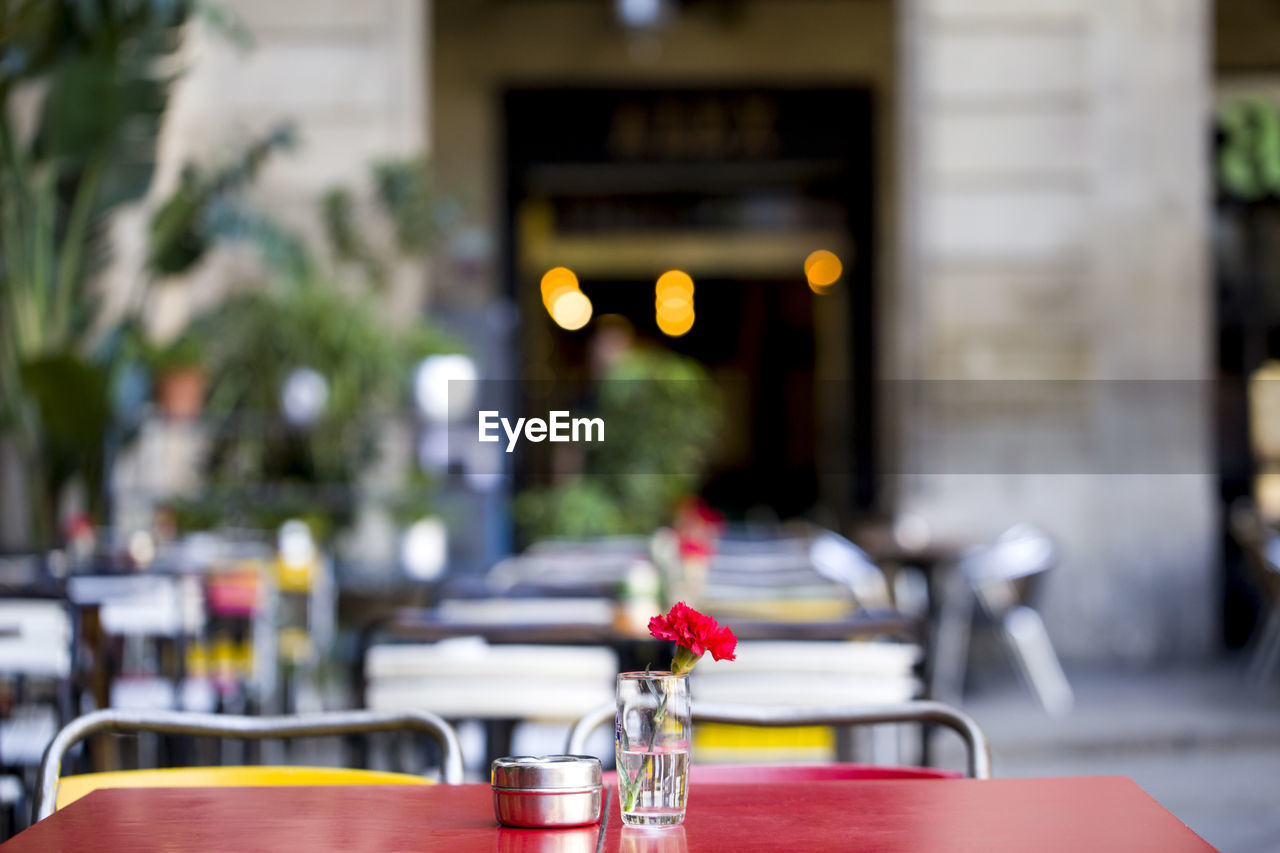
x=571 y=310
x=822 y=268
x=676 y=327
x=556 y=282
x=674 y=283
x=674 y=309
x=674 y=303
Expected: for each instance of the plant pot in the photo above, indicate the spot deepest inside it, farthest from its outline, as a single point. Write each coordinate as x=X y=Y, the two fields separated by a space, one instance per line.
x=180 y=392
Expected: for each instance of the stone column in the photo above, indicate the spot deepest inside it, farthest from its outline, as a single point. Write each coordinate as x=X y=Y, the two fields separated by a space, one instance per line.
x=1055 y=228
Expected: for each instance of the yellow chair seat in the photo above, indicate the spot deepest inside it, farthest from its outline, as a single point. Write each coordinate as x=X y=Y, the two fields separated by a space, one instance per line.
x=72 y=788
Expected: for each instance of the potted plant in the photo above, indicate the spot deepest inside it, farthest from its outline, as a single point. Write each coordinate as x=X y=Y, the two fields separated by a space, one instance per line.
x=663 y=414
x=178 y=377
x=88 y=148
x=314 y=312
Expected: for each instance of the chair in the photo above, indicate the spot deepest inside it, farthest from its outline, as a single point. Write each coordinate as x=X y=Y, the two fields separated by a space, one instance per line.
x=36 y=639
x=817 y=575
x=809 y=673
x=154 y=616
x=36 y=665
x=556 y=567
x=929 y=713
x=465 y=679
x=991 y=575
x=55 y=792
x=802 y=574
x=839 y=560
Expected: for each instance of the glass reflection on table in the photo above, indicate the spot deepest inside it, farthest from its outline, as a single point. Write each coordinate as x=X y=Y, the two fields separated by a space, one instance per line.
x=667 y=839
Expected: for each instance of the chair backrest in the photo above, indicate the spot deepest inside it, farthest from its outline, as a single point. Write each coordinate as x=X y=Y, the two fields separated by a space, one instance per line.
x=466 y=678
x=930 y=713
x=836 y=558
x=1019 y=552
x=549 y=568
x=816 y=574
x=142 y=605
x=812 y=673
x=250 y=728
x=35 y=638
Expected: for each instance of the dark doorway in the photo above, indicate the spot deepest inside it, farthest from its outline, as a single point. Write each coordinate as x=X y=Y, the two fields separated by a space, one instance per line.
x=735 y=186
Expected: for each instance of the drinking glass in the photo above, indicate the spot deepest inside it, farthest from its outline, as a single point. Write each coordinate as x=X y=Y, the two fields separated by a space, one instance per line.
x=652 y=734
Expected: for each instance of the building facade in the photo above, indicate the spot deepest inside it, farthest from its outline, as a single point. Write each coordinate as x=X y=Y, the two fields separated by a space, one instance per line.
x=1038 y=215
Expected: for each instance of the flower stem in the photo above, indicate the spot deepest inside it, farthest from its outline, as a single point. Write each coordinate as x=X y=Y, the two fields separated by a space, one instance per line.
x=684 y=660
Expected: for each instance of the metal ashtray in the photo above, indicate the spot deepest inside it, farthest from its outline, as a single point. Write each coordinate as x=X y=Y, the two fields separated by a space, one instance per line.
x=547 y=790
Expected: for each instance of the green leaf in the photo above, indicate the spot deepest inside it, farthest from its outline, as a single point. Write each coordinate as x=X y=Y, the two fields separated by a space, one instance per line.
x=184 y=225
x=404 y=191
x=70 y=397
x=177 y=240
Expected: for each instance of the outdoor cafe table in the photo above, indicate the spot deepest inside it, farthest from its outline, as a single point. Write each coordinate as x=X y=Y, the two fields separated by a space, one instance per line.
x=1096 y=814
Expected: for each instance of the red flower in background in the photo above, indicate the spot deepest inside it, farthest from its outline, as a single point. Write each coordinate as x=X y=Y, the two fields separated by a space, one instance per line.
x=695 y=549
x=698 y=528
x=695 y=511
x=695 y=634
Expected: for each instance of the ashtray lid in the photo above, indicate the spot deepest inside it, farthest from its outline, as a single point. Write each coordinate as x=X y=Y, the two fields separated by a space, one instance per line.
x=528 y=772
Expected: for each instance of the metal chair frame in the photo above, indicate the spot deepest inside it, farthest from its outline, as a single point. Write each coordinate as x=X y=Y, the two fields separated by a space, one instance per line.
x=247 y=728
x=978 y=757
x=990 y=577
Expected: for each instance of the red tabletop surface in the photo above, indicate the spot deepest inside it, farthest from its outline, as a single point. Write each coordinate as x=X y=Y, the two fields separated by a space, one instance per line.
x=1093 y=814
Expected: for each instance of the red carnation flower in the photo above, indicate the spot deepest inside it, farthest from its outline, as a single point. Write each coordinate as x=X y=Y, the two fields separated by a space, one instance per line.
x=695 y=634
x=696 y=549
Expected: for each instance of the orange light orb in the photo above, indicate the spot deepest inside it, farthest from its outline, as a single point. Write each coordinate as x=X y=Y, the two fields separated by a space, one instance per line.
x=555 y=282
x=676 y=328
x=571 y=310
x=674 y=309
x=822 y=268
x=674 y=283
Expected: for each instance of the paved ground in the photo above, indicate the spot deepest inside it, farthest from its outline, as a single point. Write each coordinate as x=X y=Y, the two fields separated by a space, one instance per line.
x=1205 y=743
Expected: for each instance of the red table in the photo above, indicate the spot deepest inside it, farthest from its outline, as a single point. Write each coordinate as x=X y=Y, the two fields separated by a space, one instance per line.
x=1094 y=814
